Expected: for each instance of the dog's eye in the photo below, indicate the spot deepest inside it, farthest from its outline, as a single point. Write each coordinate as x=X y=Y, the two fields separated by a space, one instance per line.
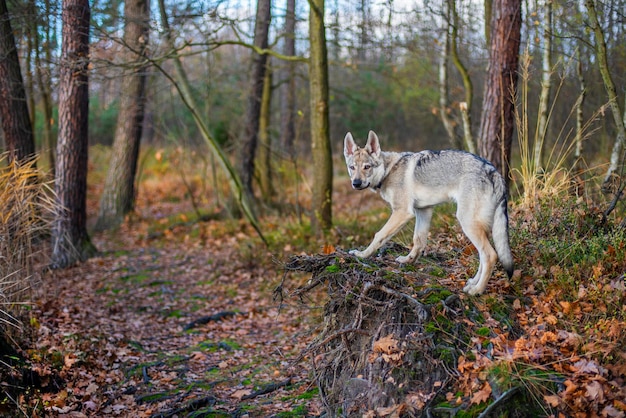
x=351 y=168
x=367 y=167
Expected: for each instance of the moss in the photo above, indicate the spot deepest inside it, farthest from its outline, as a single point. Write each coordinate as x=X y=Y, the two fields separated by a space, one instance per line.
x=483 y=331
x=436 y=295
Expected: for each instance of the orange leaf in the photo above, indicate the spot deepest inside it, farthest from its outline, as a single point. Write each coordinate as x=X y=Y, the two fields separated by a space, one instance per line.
x=386 y=345
x=482 y=395
x=328 y=249
x=552 y=400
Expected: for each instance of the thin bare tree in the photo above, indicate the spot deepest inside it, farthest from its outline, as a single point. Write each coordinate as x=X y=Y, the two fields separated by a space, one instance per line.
x=611 y=178
x=546 y=86
x=259 y=67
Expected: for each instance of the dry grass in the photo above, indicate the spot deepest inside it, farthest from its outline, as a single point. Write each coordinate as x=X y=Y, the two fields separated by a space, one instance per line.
x=26 y=207
x=554 y=175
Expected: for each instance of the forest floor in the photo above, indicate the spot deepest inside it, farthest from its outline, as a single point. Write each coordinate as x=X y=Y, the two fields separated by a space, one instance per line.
x=177 y=315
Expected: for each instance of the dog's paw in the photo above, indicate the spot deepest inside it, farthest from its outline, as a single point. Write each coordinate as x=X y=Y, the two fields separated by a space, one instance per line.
x=357 y=253
x=404 y=259
x=471 y=289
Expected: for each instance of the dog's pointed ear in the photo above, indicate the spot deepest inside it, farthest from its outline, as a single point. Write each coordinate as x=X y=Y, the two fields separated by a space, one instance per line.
x=373 y=145
x=349 y=146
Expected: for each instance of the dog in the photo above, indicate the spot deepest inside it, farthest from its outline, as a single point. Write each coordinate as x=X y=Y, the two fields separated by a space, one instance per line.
x=412 y=183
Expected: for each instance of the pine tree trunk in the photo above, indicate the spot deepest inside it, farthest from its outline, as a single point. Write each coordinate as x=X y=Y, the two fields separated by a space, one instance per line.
x=118 y=196
x=16 y=123
x=498 y=113
x=71 y=242
x=321 y=216
x=253 y=113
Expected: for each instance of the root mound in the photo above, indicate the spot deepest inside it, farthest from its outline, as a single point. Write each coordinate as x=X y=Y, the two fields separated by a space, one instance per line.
x=390 y=336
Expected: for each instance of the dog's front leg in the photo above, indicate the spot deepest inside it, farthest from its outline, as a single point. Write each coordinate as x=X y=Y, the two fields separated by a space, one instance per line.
x=395 y=222
x=420 y=235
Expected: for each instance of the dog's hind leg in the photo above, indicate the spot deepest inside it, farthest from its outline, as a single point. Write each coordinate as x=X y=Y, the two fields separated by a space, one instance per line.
x=420 y=235
x=476 y=231
x=396 y=221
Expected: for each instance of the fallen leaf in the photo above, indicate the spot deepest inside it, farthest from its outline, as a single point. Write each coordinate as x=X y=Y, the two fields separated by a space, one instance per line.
x=552 y=400
x=238 y=394
x=482 y=395
x=594 y=391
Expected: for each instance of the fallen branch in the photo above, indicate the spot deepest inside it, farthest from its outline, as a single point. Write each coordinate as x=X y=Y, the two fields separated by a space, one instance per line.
x=190 y=406
x=210 y=318
x=267 y=389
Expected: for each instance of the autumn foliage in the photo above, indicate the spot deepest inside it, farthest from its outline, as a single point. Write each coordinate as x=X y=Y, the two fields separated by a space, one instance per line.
x=177 y=315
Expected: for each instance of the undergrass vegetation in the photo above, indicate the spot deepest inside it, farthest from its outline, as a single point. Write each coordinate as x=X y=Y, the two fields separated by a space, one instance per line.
x=27 y=207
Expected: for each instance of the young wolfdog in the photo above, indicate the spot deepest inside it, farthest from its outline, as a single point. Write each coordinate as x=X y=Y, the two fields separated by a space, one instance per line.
x=413 y=183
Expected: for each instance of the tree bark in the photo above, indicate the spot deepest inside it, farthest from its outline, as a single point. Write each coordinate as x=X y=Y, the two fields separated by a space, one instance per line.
x=71 y=242
x=253 y=113
x=498 y=113
x=611 y=177
x=321 y=216
x=16 y=123
x=118 y=196
x=288 y=82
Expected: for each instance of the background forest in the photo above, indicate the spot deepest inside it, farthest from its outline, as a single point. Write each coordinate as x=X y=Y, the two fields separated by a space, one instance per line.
x=160 y=157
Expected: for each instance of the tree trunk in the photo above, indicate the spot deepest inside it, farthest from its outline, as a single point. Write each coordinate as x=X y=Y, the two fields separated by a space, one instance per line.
x=253 y=113
x=264 y=166
x=118 y=196
x=321 y=216
x=288 y=82
x=71 y=242
x=544 y=96
x=611 y=177
x=444 y=108
x=487 y=17
x=498 y=113
x=16 y=124
x=43 y=72
x=578 y=149
x=466 y=107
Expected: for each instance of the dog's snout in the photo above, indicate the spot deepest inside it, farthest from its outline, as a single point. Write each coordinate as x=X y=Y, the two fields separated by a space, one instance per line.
x=357 y=183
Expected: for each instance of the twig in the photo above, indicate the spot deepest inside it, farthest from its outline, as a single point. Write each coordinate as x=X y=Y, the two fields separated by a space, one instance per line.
x=505 y=396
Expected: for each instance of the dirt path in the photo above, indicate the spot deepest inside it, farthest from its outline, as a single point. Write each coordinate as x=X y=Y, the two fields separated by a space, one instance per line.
x=188 y=326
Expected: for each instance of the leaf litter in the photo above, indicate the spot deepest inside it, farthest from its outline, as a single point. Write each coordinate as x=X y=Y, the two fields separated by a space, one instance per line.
x=183 y=323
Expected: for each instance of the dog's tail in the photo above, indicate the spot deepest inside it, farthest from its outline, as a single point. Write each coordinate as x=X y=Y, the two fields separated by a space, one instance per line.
x=501 y=236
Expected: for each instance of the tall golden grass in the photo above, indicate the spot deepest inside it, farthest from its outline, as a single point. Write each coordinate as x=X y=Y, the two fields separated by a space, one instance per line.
x=554 y=175
x=27 y=206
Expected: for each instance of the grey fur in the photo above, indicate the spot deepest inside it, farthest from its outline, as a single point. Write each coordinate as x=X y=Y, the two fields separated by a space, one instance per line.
x=413 y=183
